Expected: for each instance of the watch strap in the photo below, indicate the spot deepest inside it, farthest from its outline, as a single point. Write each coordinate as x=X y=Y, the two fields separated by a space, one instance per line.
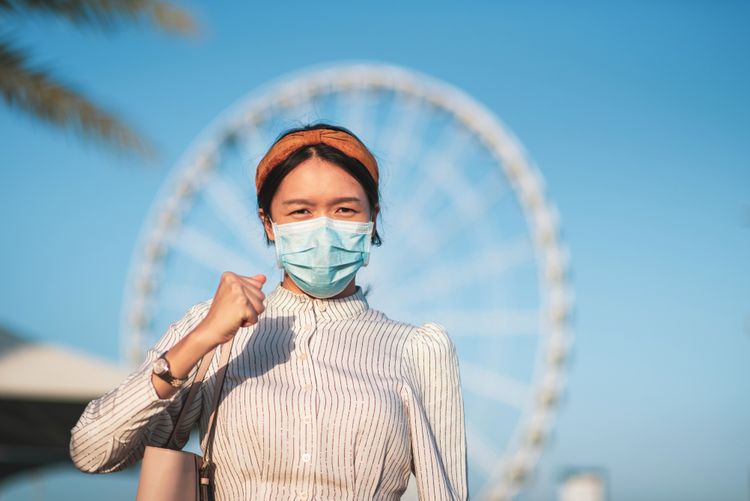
x=168 y=376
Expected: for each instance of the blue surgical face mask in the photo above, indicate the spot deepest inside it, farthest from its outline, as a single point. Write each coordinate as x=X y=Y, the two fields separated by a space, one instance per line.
x=322 y=255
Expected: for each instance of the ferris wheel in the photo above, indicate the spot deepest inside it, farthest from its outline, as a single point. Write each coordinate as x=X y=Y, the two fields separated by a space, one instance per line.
x=470 y=241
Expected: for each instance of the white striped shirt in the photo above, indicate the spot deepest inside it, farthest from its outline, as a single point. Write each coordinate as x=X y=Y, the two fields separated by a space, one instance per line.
x=323 y=399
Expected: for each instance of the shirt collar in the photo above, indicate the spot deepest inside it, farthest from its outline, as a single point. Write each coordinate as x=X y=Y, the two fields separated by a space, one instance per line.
x=282 y=299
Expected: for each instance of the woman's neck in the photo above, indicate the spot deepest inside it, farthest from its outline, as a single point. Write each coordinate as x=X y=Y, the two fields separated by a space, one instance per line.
x=289 y=284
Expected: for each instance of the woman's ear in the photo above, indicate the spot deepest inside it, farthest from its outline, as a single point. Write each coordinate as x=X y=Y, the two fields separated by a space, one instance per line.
x=266 y=220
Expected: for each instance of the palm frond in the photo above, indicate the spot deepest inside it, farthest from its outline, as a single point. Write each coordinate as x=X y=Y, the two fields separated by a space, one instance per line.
x=104 y=14
x=35 y=91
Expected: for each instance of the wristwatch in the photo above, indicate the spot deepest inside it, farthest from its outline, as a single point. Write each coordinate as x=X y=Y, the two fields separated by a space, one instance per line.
x=161 y=369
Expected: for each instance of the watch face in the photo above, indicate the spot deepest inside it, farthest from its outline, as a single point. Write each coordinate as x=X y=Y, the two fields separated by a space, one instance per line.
x=161 y=366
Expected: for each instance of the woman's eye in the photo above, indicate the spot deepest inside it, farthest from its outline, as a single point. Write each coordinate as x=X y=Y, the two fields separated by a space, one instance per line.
x=346 y=210
x=299 y=211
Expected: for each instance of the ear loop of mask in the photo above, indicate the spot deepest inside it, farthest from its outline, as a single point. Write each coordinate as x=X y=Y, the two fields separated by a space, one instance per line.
x=282 y=272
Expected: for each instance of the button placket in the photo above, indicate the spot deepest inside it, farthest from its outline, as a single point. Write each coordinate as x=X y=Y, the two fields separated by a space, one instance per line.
x=304 y=328
x=321 y=305
x=305 y=371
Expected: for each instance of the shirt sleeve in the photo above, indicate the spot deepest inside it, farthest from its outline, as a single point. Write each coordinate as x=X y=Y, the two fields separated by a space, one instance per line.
x=436 y=414
x=114 y=429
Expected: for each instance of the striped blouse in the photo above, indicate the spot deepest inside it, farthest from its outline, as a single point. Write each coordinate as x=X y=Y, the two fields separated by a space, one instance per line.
x=322 y=399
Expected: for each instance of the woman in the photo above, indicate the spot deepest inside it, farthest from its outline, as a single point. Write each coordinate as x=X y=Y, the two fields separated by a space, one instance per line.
x=324 y=397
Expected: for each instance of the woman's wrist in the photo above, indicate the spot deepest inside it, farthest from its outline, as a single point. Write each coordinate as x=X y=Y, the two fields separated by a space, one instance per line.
x=203 y=337
x=184 y=355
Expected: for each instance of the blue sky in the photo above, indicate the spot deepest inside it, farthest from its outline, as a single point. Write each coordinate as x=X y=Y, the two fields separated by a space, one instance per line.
x=637 y=114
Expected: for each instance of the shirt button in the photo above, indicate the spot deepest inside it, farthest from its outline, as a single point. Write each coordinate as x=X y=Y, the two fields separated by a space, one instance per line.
x=303 y=495
x=302 y=355
x=306 y=419
x=306 y=457
x=322 y=305
x=307 y=327
x=307 y=386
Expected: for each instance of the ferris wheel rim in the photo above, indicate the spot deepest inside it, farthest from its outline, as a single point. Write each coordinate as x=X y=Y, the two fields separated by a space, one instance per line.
x=528 y=184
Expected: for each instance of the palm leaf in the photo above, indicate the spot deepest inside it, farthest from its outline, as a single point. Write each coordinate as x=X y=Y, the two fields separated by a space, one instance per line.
x=103 y=14
x=35 y=91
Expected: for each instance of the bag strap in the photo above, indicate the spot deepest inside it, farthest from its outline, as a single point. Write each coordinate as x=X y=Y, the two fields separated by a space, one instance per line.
x=225 y=352
x=206 y=469
x=196 y=384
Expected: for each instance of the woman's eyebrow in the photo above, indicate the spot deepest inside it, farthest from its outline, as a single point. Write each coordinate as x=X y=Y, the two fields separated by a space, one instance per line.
x=304 y=201
x=342 y=200
x=296 y=201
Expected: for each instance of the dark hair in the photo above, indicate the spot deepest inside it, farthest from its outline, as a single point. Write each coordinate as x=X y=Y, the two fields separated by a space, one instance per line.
x=351 y=165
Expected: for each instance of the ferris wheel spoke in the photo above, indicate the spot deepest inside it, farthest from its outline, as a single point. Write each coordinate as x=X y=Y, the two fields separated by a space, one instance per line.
x=228 y=203
x=252 y=143
x=431 y=238
x=445 y=151
x=406 y=126
x=487 y=383
x=478 y=450
x=207 y=251
x=416 y=236
x=474 y=269
x=301 y=112
x=356 y=112
x=492 y=322
x=457 y=225
x=179 y=296
x=442 y=168
x=465 y=197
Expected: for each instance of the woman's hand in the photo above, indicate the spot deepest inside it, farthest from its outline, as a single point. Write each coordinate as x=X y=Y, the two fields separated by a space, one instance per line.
x=237 y=303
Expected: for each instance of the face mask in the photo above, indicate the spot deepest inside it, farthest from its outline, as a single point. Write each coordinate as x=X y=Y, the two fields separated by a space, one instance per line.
x=322 y=255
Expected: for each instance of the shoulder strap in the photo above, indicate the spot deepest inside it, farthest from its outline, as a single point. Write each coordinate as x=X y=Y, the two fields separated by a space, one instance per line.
x=226 y=350
x=195 y=386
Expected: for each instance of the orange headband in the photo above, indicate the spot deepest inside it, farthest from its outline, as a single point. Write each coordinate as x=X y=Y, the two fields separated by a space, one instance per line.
x=347 y=144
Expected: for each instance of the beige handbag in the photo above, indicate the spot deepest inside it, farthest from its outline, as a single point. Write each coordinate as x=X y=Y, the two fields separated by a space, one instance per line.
x=169 y=474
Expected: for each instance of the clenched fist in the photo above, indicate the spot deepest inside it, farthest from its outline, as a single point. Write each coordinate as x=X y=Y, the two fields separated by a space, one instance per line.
x=237 y=303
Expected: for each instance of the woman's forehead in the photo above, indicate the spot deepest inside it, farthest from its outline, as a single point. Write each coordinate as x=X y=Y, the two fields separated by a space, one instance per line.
x=319 y=179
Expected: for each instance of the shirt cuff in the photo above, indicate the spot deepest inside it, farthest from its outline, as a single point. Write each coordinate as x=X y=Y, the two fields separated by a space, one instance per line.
x=149 y=390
